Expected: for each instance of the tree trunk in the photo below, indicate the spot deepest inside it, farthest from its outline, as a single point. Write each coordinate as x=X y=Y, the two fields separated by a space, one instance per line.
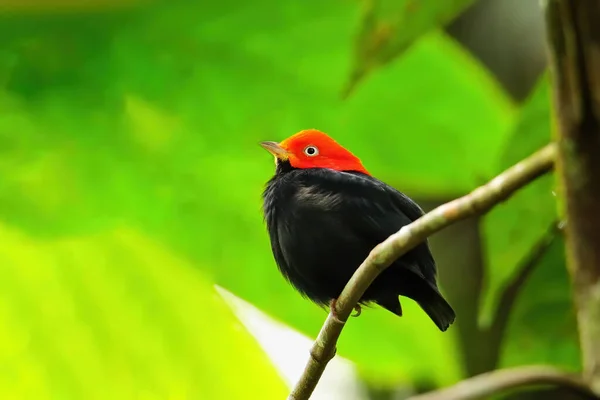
x=574 y=41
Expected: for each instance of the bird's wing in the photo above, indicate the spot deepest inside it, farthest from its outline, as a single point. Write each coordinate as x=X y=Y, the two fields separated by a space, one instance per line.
x=365 y=207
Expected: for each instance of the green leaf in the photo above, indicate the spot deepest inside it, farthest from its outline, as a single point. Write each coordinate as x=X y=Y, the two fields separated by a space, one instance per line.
x=156 y=124
x=512 y=228
x=390 y=27
x=117 y=316
x=544 y=318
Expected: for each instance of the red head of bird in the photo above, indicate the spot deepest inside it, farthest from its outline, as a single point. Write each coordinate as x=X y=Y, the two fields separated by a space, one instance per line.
x=314 y=149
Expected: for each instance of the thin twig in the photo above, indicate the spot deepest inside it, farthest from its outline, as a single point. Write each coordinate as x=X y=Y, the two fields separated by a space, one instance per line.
x=477 y=202
x=501 y=380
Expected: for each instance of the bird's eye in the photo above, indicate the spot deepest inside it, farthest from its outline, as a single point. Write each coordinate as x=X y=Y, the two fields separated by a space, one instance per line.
x=311 y=151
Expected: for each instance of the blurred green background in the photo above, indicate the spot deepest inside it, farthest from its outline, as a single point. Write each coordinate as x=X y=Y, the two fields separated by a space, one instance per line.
x=130 y=183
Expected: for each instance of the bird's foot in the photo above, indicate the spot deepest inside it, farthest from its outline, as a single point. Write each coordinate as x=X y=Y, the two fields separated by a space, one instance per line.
x=357 y=310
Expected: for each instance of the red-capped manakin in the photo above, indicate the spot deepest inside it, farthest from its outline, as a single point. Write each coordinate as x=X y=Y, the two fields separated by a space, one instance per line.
x=325 y=213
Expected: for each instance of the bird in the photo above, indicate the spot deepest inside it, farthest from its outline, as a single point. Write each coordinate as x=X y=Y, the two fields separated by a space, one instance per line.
x=324 y=213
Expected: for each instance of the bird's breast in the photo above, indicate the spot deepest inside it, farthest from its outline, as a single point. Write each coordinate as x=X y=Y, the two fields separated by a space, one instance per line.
x=312 y=245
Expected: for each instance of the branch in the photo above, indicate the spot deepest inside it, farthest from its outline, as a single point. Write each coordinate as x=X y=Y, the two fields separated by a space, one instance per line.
x=495 y=382
x=574 y=44
x=383 y=255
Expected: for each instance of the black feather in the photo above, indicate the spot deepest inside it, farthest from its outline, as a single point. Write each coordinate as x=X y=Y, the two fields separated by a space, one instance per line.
x=323 y=223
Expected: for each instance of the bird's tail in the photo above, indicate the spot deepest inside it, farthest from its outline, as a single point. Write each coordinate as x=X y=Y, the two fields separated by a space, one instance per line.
x=438 y=309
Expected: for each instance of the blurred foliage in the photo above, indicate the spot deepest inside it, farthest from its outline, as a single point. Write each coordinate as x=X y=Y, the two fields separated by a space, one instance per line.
x=148 y=117
x=390 y=27
x=100 y=317
x=512 y=228
x=54 y=7
x=543 y=326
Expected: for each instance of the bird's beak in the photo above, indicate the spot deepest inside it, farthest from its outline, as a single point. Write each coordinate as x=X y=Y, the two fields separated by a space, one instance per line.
x=275 y=149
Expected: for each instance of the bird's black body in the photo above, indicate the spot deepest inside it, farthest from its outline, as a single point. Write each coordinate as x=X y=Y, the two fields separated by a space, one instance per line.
x=323 y=224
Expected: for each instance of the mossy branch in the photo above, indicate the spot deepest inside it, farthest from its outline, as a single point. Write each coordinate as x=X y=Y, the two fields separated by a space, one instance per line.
x=491 y=383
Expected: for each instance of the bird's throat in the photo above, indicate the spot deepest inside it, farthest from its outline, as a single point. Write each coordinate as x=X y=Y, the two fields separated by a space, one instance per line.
x=283 y=166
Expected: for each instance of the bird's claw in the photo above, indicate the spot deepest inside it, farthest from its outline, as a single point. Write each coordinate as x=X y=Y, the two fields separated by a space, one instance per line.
x=357 y=311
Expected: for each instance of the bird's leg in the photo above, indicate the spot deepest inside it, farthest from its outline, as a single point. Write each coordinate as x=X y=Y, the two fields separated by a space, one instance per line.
x=332 y=303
